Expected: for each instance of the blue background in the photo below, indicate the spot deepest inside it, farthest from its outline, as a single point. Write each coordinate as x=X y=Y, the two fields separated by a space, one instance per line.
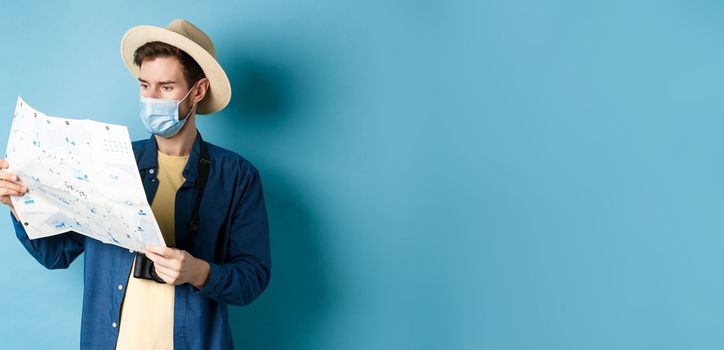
x=438 y=174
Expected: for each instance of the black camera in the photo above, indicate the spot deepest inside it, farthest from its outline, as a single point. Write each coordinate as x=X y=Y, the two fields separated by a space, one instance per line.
x=144 y=269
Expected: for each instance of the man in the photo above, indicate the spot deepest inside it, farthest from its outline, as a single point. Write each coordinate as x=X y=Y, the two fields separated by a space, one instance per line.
x=221 y=256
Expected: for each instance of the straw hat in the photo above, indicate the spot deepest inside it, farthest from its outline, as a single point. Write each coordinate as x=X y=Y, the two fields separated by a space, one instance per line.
x=184 y=35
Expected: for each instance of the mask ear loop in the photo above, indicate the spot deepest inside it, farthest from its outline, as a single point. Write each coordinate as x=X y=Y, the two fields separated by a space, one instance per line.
x=187 y=95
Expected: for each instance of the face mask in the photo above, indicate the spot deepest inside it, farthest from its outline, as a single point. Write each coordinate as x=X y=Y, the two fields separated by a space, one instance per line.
x=160 y=116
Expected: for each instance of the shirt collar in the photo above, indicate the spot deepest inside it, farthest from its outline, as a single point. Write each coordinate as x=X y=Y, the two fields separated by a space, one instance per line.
x=149 y=160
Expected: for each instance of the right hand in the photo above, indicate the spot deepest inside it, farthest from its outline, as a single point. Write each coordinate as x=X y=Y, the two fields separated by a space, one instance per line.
x=10 y=185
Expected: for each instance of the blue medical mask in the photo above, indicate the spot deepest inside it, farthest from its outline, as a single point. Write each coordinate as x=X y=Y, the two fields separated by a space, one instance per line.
x=160 y=116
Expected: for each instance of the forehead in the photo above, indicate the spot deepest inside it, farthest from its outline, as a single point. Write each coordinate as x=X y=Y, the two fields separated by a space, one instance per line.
x=161 y=69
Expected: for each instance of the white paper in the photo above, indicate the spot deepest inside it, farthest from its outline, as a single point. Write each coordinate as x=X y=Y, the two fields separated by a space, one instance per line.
x=81 y=176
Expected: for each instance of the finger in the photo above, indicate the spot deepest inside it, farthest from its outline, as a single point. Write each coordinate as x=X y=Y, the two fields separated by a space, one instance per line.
x=166 y=271
x=10 y=192
x=163 y=251
x=159 y=260
x=4 y=164
x=168 y=264
x=12 y=183
x=156 y=250
x=20 y=185
x=12 y=186
x=6 y=175
x=153 y=251
x=164 y=277
x=153 y=256
x=168 y=279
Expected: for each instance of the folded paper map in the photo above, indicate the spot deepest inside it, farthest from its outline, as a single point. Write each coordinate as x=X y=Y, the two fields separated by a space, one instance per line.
x=81 y=176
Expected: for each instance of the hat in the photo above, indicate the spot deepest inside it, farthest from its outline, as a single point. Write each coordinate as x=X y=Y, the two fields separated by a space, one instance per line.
x=185 y=36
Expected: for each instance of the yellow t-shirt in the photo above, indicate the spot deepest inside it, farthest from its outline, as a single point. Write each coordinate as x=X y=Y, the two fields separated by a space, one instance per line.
x=147 y=311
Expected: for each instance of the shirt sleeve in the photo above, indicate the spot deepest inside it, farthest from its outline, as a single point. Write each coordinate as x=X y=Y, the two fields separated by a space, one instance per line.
x=54 y=252
x=247 y=270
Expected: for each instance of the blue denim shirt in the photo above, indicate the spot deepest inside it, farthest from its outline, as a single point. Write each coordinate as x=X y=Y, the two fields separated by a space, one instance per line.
x=233 y=237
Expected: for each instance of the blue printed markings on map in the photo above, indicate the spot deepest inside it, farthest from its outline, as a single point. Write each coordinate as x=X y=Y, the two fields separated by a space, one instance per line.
x=68 y=140
x=112 y=235
x=28 y=201
x=77 y=222
x=114 y=176
x=78 y=174
x=36 y=141
x=141 y=212
x=59 y=224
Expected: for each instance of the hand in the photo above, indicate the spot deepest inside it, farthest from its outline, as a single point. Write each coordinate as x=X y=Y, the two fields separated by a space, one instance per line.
x=10 y=185
x=176 y=266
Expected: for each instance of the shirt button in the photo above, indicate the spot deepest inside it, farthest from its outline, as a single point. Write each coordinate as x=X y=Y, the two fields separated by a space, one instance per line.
x=130 y=251
x=120 y=287
x=151 y=171
x=114 y=325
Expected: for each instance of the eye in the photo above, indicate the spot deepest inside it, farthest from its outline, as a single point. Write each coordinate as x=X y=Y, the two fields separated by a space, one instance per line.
x=144 y=86
x=166 y=88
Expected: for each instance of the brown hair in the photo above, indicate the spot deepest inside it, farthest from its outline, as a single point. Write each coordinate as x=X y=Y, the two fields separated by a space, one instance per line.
x=153 y=49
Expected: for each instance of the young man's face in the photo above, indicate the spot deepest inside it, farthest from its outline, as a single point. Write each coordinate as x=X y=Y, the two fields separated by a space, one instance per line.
x=163 y=78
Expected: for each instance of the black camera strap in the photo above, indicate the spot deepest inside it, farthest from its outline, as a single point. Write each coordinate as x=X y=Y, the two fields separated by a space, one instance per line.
x=203 y=168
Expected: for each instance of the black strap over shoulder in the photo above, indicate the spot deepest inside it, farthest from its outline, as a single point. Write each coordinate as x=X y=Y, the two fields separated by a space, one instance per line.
x=203 y=168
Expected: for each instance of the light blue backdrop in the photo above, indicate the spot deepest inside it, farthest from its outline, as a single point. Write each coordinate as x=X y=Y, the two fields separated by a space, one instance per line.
x=438 y=174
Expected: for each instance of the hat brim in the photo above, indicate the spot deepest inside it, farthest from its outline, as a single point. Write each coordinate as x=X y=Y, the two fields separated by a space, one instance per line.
x=219 y=93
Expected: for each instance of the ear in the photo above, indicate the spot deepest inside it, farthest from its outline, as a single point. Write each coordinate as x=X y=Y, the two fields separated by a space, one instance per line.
x=202 y=87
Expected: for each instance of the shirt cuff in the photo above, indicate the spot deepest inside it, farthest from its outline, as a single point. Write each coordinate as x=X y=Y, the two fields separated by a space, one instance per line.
x=210 y=289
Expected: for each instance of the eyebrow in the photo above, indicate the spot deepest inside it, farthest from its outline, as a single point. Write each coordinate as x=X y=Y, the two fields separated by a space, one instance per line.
x=160 y=82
